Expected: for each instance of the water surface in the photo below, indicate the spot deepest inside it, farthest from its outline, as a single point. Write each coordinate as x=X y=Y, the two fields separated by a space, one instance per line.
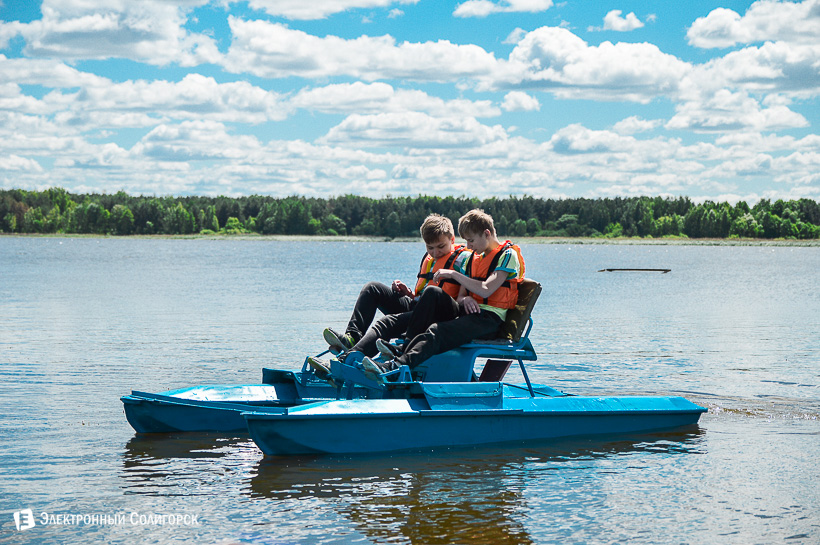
x=84 y=321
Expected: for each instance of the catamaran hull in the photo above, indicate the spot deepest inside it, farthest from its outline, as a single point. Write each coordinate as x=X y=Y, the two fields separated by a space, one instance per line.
x=289 y=433
x=219 y=408
x=152 y=415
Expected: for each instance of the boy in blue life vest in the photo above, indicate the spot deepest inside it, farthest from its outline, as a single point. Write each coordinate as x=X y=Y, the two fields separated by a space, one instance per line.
x=397 y=301
x=488 y=288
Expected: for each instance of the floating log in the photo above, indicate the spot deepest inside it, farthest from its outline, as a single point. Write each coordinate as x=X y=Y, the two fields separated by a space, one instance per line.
x=664 y=271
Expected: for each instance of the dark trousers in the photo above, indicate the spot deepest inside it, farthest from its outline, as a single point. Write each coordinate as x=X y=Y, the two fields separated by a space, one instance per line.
x=433 y=306
x=388 y=327
x=443 y=336
x=375 y=296
x=435 y=326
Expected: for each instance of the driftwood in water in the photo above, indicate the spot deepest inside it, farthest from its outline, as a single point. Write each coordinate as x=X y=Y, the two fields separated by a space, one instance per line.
x=664 y=271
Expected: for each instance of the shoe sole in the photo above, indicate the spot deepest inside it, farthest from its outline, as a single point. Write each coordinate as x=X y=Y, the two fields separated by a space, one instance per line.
x=372 y=371
x=334 y=342
x=319 y=370
x=322 y=373
x=385 y=352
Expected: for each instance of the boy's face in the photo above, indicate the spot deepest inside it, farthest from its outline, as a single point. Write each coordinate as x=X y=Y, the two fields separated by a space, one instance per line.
x=442 y=246
x=478 y=242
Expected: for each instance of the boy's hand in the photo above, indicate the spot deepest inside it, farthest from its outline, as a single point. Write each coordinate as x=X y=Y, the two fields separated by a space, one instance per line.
x=443 y=274
x=470 y=305
x=401 y=288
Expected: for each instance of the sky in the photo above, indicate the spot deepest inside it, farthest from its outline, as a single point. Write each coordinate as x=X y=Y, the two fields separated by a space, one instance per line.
x=711 y=100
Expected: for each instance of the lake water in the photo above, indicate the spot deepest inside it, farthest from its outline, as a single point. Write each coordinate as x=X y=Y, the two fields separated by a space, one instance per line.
x=84 y=321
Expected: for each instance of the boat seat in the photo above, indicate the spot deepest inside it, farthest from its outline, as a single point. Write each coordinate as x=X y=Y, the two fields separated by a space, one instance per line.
x=512 y=343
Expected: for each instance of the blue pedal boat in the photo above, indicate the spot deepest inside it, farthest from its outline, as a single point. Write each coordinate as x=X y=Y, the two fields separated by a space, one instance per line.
x=442 y=404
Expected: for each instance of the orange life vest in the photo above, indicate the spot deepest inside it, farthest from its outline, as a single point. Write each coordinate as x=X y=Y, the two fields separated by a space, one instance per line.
x=429 y=266
x=481 y=267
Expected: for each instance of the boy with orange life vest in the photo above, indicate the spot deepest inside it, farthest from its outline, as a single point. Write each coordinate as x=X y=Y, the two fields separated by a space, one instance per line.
x=489 y=287
x=397 y=301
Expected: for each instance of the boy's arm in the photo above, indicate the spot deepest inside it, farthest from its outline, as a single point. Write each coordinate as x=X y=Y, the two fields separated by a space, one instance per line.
x=482 y=288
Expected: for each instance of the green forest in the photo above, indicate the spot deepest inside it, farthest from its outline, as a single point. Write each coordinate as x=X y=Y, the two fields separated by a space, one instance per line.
x=56 y=210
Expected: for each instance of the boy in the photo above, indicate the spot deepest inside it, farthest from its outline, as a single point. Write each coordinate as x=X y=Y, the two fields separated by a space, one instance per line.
x=396 y=301
x=489 y=286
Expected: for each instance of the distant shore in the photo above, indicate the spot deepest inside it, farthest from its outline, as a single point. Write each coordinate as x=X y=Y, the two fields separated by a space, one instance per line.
x=628 y=241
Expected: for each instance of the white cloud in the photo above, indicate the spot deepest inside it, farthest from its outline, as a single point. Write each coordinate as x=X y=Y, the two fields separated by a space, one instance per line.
x=147 y=31
x=483 y=8
x=774 y=67
x=47 y=73
x=515 y=36
x=518 y=101
x=12 y=99
x=765 y=20
x=194 y=141
x=23 y=133
x=15 y=162
x=318 y=9
x=273 y=50
x=195 y=97
x=8 y=31
x=614 y=21
x=770 y=143
x=373 y=98
x=576 y=138
x=556 y=60
x=412 y=129
x=733 y=111
x=100 y=103
x=634 y=124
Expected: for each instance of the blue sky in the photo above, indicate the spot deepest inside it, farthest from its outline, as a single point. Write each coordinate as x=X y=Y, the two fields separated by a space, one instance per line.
x=706 y=99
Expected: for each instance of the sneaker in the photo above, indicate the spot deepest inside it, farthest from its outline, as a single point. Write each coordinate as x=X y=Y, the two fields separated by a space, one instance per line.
x=338 y=343
x=321 y=369
x=387 y=350
x=375 y=369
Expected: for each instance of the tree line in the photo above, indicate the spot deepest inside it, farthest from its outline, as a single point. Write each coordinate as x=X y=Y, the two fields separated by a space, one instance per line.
x=56 y=210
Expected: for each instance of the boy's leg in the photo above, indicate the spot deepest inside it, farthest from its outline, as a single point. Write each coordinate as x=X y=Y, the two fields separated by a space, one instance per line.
x=443 y=336
x=388 y=327
x=434 y=305
x=374 y=296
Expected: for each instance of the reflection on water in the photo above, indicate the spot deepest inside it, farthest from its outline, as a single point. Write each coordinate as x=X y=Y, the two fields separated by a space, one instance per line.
x=280 y=477
x=183 y=464
x=466 y=496
x=461 y=496
x=156 y=447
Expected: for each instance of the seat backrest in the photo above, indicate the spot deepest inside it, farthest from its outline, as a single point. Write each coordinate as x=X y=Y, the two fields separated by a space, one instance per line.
x=517 y=318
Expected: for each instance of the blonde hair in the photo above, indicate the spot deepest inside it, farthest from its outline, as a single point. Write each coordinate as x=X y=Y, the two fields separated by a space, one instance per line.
x=435 y=226
x=475 y=222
